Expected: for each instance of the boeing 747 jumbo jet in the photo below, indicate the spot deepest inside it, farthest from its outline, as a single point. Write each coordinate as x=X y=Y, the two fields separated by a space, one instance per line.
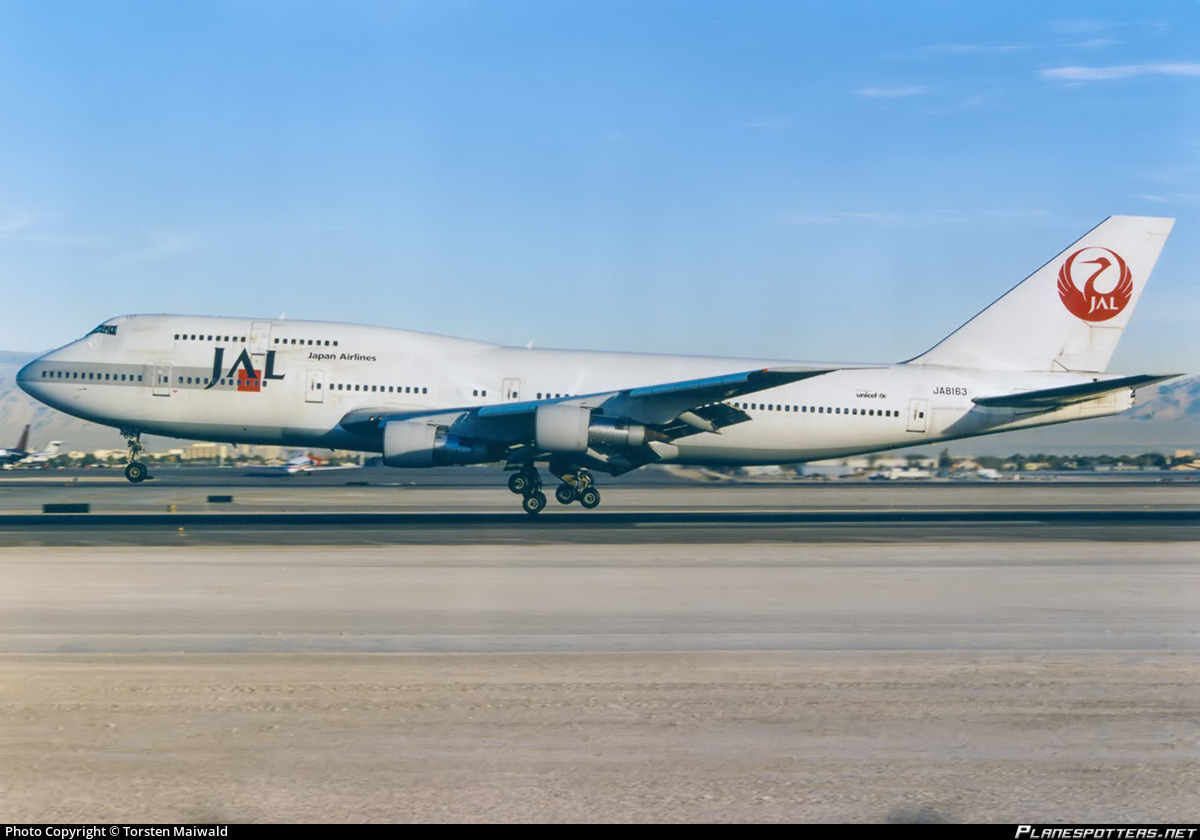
x=1036 y=356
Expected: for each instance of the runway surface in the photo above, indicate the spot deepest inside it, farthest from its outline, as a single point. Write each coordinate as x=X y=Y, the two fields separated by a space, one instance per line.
x=648 y=597
x=689 y=653
x=229 y=507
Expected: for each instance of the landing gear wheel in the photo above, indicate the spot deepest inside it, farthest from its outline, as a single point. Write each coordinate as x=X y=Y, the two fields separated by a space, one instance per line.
x=136 y=471
x=589 y=498
x=565 y=494
x=518 y=483
x=534 y=502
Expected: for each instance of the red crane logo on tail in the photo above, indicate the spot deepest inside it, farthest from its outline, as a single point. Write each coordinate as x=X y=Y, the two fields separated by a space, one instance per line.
x=1105 y=291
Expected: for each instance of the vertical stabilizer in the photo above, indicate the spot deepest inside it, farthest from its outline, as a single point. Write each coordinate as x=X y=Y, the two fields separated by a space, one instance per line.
x=23 y=443
x=1067 y=315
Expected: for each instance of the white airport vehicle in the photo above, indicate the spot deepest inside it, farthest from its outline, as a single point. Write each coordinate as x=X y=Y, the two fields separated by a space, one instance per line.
x=1036 y=356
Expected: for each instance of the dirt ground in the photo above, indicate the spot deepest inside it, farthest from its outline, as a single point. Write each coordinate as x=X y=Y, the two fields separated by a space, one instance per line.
x=878 y=736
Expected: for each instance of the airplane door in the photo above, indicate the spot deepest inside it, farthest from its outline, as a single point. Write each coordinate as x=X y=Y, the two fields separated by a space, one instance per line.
x=512 y=390
x=917 y=415
x=260 y=337
x=162 y=380
x=314 y=391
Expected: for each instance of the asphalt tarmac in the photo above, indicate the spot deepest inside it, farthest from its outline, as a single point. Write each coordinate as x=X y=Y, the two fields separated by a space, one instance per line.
x=866 y=652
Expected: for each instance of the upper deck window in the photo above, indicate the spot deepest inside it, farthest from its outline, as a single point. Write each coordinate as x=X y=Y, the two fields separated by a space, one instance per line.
x=106 y=329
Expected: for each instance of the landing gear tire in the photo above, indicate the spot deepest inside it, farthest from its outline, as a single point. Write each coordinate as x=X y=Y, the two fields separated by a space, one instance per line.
x=565 y=494
x=136 y=471
x=534 y=502
x=589 y=498
x=518 y=483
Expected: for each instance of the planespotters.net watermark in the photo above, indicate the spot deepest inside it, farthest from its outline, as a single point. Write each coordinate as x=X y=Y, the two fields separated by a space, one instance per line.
x=1033 y=832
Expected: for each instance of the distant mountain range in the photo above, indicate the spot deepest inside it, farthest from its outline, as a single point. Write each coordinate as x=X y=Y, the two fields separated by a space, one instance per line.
x=1166 y=418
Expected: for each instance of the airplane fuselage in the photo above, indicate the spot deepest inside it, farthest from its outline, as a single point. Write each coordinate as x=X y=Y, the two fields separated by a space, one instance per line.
x=290 y=383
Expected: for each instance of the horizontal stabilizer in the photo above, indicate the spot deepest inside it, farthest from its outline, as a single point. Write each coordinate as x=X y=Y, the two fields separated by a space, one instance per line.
x=1050 y=398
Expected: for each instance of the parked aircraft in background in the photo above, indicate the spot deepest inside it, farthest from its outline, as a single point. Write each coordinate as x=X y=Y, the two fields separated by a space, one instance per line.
x=20 y=455
x=42 y=455
x=307 y=463
x=8 y=457
x=1034 y=357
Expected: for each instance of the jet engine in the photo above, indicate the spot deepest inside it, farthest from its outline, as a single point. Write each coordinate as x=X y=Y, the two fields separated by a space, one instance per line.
x=412 y=443
x=572 y=428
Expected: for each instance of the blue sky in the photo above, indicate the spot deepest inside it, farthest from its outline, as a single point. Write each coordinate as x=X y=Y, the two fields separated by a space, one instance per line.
x=843 y=181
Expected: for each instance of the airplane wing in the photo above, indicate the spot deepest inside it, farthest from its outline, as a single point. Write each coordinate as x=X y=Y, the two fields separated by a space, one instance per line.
x=654 y=404
x=1048 y=399
x=660 y=413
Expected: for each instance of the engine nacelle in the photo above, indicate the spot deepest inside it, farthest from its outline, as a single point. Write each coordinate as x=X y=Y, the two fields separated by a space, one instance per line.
x=562 y=428
x=572 y=428
x=412 y=443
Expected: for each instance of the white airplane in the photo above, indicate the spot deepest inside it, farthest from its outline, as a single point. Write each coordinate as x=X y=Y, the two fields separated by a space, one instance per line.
x=19 y=455
x=1036 y=356
x=43 y=455
x=307 y=463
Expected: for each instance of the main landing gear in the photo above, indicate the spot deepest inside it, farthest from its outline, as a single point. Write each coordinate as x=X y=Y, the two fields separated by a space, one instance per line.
x=576 y=486
x=135 y=470
x=526 y=483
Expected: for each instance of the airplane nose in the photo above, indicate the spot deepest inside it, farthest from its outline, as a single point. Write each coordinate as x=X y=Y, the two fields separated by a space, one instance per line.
x=26 y=377
x=29 y=378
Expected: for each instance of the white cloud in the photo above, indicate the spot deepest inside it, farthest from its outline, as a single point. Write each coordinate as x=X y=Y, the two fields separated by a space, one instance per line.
x=1000 y=49
x=1121 y=71
x=1174 y=198
x=15 y=223
x=40 y=229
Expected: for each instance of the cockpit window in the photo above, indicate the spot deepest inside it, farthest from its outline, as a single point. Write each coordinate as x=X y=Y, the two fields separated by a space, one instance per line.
x=107 y=329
